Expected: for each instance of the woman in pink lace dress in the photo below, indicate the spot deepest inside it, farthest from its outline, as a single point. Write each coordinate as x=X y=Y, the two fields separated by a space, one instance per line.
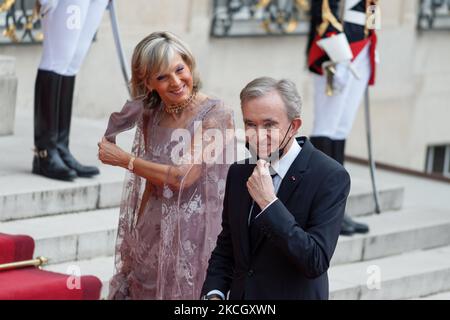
x=171 y=205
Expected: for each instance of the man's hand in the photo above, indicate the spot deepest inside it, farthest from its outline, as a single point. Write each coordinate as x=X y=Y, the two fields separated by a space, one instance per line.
x=260 y=184
x=110 y=153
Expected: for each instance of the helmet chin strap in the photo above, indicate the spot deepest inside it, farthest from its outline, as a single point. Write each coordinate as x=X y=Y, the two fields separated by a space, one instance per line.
x=272 y=155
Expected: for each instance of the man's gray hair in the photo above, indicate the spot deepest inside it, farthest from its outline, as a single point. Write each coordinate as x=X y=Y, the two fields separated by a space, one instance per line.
x=285 y=88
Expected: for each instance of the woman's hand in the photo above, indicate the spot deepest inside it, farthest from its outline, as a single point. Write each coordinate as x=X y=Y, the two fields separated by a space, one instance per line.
x=110 y=153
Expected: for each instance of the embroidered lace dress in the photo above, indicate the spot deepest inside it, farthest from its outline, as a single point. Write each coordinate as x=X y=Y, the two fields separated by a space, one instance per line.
x=166 y=232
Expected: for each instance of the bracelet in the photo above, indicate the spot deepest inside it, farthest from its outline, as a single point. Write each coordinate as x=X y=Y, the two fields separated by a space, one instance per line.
x=131 y=164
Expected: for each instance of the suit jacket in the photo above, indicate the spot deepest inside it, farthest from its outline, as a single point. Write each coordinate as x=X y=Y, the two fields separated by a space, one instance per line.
x=297 y=234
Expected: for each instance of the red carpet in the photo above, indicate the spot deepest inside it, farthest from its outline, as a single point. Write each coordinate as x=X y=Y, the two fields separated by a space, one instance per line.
x=34 y=284
x=15 y=248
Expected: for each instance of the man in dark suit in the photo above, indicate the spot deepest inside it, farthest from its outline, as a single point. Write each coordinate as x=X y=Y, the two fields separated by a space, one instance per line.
x=282 y=216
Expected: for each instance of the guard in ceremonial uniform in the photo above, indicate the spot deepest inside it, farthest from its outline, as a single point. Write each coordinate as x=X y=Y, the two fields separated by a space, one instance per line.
x=341 y=56
x=69 y=27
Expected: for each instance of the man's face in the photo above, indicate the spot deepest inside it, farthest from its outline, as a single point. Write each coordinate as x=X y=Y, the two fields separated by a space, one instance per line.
x=266 y=123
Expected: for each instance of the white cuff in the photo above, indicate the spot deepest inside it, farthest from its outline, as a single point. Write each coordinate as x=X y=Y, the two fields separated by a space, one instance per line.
x=217 y=292
x=266 y=207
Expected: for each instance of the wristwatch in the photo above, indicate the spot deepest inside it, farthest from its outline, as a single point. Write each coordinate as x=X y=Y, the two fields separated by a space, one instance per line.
x=131 y=164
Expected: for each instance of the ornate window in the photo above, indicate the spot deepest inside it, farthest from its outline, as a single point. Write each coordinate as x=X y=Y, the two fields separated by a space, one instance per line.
x=19 y=22
x=434 y=14
x=259 y=17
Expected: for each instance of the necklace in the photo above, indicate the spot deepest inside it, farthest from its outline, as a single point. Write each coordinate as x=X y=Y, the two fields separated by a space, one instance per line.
x=177 y=108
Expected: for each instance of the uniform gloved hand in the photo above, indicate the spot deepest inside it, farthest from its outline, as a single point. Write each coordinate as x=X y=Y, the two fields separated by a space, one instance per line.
x=341 y=77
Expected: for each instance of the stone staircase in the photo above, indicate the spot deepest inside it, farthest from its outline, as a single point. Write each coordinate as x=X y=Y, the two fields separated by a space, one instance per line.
x=74 y=224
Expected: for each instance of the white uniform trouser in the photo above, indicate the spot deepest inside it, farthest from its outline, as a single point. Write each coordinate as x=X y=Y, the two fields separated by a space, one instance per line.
x=69 y=27
x=334 y=115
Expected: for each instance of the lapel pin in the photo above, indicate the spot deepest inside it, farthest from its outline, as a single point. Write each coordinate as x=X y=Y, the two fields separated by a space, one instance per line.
x=293 y=178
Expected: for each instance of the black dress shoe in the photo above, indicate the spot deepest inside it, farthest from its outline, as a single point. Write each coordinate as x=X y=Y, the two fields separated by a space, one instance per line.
x=357 y=227
x=347 y=228
x=360 y=227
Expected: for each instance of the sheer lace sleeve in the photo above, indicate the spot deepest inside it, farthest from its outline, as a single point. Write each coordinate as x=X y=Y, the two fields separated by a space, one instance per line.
x=124 y=120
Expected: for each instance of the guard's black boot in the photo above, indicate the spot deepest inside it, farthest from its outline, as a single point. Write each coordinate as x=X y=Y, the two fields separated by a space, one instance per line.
x=65 y=116
x=339 y=150
x=323 y=144
x=339 y=155
x=47 y=161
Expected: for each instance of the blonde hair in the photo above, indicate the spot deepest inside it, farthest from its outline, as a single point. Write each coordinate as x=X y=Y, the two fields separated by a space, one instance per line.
x=153 y=54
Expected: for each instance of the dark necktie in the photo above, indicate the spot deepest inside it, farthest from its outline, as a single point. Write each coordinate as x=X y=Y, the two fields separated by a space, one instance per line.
x=253 y=232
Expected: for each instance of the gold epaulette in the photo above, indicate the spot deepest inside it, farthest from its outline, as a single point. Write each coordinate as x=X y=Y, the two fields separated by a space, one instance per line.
x=327 y=19
x=6 y=5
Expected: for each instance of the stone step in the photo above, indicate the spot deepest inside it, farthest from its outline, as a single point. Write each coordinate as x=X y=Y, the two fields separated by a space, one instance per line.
x=70 y=237
x=29 y=196
x=26 y=196
x=361 y=202
x=85 y=235
x=412 y=275
x=395 y=233
x=406 y=276
x=437 y=296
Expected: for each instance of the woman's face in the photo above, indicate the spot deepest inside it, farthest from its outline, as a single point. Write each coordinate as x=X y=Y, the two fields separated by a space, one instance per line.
x=175 y=84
